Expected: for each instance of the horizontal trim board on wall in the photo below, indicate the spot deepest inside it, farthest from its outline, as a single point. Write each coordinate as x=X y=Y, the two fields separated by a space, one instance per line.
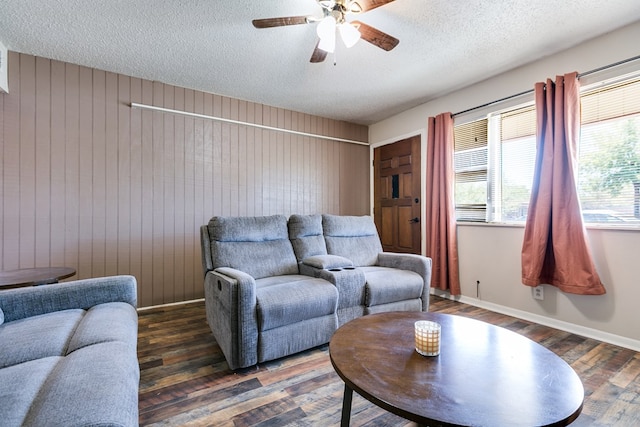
x=238 y=122
x=546 y=321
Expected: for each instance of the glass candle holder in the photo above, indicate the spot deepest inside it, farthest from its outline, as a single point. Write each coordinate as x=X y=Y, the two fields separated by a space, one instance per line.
x=427 y=337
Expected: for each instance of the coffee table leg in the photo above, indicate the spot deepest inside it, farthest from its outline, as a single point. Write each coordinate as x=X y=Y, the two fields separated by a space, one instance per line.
x=346 y=406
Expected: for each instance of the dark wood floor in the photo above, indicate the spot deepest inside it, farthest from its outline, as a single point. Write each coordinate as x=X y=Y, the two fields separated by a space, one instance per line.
x=185 y=379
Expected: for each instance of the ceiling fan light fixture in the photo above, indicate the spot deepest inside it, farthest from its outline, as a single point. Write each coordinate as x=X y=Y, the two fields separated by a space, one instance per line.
x=350 y=35
x=328 y=44
x=327 y=28
x=327 y=32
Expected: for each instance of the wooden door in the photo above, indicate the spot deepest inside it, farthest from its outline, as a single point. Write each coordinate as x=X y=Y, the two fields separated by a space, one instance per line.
x=397 y=211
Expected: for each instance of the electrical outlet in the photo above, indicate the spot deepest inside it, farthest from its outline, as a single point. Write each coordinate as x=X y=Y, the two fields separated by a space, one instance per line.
x=538 y=292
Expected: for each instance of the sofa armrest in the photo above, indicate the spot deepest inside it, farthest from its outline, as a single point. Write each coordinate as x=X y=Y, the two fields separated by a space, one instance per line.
x=25 y=302
x=230 y=300
x=205 y=252
x=327 y=261
x=314 y=265
x=412 y=262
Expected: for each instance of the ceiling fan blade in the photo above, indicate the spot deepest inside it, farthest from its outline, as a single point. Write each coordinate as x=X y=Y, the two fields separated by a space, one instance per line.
x=375 y=36
x=318 y=54
x=370 y=4
x=279 y=22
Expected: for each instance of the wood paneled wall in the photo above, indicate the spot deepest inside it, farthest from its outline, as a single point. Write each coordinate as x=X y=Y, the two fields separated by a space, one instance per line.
x=90 y=183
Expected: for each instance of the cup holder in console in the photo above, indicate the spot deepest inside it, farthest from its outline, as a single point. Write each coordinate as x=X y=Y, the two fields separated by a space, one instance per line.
x=341 y=269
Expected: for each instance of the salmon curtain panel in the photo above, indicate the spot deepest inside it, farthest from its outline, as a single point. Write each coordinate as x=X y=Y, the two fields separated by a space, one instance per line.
x=442 y=244
x=555 y=249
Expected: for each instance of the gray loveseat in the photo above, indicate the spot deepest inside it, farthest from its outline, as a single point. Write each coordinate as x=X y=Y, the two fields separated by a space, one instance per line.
x=275 y=286
x=68 y=354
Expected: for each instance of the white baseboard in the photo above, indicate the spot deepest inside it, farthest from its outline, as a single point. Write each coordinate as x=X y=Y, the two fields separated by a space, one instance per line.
x=171 y=304
x=546 y=321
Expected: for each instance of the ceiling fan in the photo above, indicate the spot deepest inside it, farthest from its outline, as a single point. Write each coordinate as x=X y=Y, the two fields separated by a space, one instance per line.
x=334 y=19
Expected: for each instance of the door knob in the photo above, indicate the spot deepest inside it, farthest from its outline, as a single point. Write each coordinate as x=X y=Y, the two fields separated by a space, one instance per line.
x=414 y=220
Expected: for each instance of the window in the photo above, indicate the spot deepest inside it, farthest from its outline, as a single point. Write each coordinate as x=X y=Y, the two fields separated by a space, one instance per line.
x=495 y=157
x=609 y=173
x=513 y=163
x=494 y=161
x=470 y=165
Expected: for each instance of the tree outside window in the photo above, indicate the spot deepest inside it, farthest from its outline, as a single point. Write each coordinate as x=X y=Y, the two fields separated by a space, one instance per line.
x=609 y=174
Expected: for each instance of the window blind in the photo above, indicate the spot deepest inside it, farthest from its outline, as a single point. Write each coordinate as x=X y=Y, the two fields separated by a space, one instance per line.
x=471 y=169
x=514 y=173
x=609 y=154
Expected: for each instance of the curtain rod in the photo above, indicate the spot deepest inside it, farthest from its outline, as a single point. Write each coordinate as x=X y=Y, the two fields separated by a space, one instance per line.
x=526 y=92
x=238 y=122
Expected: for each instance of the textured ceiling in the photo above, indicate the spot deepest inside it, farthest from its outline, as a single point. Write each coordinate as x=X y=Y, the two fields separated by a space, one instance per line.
x=212 y=46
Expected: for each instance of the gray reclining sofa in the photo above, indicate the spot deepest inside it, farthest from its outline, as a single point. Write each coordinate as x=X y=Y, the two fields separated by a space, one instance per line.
x=68 y=354
x=275 y=286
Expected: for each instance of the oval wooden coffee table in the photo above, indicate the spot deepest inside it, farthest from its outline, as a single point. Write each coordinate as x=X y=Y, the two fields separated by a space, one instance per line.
x=485 y=375
x=34 y=276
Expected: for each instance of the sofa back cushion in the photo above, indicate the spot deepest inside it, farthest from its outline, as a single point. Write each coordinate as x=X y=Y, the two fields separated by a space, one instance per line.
x=258 y=246
x=305 y=233
x=352 y=237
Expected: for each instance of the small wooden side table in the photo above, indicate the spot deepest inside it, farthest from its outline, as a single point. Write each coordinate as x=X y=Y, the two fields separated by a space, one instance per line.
x=34 y=276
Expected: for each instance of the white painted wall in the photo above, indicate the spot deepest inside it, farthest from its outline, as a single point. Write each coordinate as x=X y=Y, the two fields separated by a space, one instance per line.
x=491 y=253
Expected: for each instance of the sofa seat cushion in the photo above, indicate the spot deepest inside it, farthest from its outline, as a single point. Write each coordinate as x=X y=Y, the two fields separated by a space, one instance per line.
x=283 y=300
x=19 y=386
x=75 y=392
x=385 y=285
x=36 y=337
